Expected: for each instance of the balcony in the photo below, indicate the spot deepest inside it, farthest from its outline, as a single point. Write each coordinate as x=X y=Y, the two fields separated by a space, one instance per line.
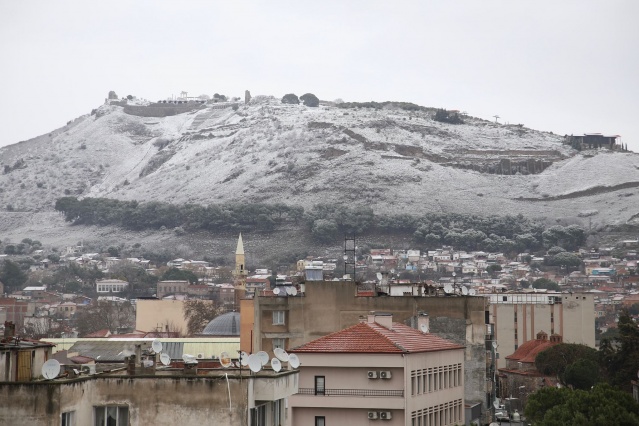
x=353 y=392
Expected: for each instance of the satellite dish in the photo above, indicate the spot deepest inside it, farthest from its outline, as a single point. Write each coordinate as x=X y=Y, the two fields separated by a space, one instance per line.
x=281 y=354
x=263 y=356
x=244 y=357
x=495 y=347
x=423 y=328
x=472 y=292
x=464 y=290
x=289 y=290
x=165 y=359
x=225 y=359
x=189 y=359
x=276 y=365
x=379 y=276
x=293 y=291
x=496 y=404
x=156 y=346
x=51 y=369
x=293 y=361
x=448 y=289
x=254 y=363
x=276 y=291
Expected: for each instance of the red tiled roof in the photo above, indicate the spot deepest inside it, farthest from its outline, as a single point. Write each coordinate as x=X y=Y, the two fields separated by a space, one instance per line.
x=529 y=350
x=374 y=338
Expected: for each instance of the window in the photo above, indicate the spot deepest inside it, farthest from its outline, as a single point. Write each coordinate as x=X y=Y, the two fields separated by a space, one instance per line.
x=278 y=317
x=320 y=382
x=320 y=421
x=278 y=343
x=258 y=416
x=111 y=415
x=67 y=419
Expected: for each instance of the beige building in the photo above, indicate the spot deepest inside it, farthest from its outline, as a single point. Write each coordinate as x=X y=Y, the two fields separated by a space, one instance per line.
x=326 y=307
x=518 y=317
x=161 y=315
x=380 y=370
x=21 y=359
x=167 y=396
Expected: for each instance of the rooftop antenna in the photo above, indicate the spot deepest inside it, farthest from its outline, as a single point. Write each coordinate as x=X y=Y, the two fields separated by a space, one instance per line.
x=225 y=359
x=254 y=363
x=293 y=291
x=472 y=292
x=276 y=365
x=281 y=354
x=423 y=328
x=464 y=290
x=244 y=357
x=263 y=357
x=156 y=345
x=165 y=359
x=276 y=291
x=51 y=369
x=293 y=361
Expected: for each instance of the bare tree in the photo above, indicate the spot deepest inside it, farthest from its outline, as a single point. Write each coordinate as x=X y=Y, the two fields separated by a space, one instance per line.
x=105 y=315
x=198 y=313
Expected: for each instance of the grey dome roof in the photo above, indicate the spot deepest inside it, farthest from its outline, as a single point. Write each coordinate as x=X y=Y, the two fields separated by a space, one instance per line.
x=227 y=324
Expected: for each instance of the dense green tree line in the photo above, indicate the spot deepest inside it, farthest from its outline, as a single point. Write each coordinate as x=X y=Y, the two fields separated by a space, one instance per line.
x=154 y=215
x=329 y=223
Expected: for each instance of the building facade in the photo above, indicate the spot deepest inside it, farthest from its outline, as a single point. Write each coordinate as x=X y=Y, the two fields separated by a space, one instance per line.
x=380 y=370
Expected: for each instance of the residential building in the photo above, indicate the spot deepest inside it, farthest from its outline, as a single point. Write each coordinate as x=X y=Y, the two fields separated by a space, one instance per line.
x=518 y=317
x=325 y=307
x=111 y=286
x=380 y=369
x=21 y=359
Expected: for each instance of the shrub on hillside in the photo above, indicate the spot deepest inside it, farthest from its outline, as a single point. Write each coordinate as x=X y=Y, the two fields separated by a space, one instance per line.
x=445 y=116
x=290 y=98
x=310 y=100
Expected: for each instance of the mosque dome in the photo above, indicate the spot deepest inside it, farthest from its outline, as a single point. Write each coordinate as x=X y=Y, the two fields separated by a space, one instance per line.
x=227 y=324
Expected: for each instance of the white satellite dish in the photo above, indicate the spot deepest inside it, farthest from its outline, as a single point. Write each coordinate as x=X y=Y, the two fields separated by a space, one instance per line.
x=281 y=354
x=254 y=363
x=276 y=291
x=51 y=369
x=293 y=291
x=379 y=276
x=293 y=361
x=225 y=359
x=189 y=359
x=156 y=346
x=263 y=356
x=472 y=292
x=496 y=404
x=464 y=290
x=244 y=357
x=289 y=290
x=165 y=359
x=423 y=328
x=276 y=365
x=448 y=289
x=495 y=345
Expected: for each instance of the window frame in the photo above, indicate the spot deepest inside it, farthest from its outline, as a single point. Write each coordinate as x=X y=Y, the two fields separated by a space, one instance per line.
x=320 y=421
x=320 y=389
x=279 y=317
x=118 y=414
x=67 y=418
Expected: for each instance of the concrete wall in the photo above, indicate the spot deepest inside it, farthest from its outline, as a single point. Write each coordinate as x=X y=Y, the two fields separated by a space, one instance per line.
x=331 y=306
x=161 y=111
x=573 y=319
x=151 y=401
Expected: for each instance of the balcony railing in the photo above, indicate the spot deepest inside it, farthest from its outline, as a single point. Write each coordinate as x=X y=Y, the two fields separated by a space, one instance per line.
x=351 y=392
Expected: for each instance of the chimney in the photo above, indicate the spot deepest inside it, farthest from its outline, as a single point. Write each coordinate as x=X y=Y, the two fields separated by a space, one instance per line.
x=383 y=319
x=9 y=329
x=423 y=322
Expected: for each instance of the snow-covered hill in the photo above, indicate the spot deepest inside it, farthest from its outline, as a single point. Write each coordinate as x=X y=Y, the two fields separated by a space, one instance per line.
x=391 y=159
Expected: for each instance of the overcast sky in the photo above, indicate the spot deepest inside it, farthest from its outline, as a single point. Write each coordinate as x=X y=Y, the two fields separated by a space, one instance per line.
x=561 y=66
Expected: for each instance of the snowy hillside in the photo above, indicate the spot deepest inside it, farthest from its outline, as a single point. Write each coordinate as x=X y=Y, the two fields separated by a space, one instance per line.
x=392 y=159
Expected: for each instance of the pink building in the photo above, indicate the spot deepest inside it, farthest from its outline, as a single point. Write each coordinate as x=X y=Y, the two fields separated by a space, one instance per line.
x=382 y=371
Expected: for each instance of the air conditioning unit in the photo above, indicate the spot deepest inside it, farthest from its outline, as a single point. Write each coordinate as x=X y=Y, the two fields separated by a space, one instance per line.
x=372 y=415
x=88 y=369
x=372 y=374
x=385 y=374
x=385 y=415
x=200 y=356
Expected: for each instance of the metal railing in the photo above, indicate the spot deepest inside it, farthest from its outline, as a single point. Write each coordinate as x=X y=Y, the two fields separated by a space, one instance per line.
x=351 y=392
